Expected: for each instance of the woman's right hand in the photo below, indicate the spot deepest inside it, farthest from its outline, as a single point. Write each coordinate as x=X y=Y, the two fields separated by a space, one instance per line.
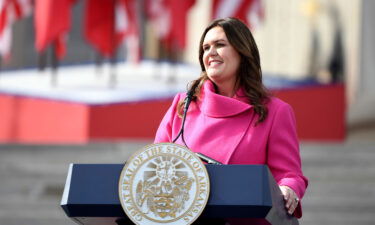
x=291 y=199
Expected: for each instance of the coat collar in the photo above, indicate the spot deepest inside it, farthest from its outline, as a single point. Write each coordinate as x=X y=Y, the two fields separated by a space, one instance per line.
x=215 y=105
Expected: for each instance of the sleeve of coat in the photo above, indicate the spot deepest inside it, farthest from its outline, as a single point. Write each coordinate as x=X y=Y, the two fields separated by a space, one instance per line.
x=165 y=131
x=283 y=153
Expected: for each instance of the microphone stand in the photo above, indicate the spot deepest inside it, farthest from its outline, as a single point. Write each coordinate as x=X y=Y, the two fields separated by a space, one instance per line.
x=188 y=99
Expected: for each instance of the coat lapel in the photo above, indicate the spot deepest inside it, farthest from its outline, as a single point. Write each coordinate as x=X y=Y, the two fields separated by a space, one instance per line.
x=218 y=124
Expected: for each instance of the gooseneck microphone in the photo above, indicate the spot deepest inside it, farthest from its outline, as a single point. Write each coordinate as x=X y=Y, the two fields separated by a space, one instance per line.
x=187 y=101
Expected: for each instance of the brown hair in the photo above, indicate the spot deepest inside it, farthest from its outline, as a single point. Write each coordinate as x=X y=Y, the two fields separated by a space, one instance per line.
x=249 y=75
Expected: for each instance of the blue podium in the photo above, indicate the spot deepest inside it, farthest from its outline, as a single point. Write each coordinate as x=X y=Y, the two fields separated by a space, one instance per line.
x=236 y=191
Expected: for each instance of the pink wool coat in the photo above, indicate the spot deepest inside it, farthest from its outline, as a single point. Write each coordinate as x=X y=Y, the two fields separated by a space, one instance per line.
x=225 y=129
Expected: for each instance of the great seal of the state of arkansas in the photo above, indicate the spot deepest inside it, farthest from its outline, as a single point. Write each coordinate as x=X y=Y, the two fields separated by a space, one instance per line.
x=164 y=183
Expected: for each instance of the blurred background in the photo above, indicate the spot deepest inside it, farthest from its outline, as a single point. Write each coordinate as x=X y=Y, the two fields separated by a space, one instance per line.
x=88 y=81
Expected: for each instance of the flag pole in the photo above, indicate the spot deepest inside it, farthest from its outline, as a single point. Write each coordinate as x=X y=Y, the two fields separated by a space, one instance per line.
x=112 y=72
x=54 y=66
x=42 y=60
x=98 y=64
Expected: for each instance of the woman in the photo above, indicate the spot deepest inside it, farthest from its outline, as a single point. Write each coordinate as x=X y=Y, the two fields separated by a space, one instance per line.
x=232 y=117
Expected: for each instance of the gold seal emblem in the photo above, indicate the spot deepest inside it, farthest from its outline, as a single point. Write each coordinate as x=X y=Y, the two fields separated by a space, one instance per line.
x=164 y=183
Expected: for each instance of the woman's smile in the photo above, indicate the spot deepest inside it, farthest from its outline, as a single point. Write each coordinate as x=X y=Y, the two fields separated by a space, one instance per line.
x=214 y=63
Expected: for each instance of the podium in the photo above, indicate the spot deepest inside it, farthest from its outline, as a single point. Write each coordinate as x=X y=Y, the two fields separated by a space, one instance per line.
x=236 y=191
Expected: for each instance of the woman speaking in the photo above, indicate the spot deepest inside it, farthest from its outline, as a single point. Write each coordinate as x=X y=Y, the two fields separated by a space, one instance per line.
x=232 y=118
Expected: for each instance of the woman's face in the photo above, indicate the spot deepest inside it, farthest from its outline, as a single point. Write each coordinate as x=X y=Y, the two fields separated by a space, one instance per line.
x=220 y=59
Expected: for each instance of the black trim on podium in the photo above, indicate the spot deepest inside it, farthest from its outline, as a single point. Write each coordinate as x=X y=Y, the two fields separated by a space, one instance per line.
x=236 y=191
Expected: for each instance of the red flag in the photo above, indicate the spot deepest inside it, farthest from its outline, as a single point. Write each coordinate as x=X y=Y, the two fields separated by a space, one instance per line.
x=52 y=22
x=169 y=20
x=249 y=11
x=10 y=11
x=100 y=26
x=127 y=26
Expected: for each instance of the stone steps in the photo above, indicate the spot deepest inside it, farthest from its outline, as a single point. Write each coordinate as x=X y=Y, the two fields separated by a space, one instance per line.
x=341 y=189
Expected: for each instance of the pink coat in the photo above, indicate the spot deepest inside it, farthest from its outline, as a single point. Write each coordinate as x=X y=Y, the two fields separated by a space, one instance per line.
x=225 y=129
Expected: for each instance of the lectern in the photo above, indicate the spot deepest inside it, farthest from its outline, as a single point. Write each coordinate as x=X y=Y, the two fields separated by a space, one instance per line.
x=237 y=191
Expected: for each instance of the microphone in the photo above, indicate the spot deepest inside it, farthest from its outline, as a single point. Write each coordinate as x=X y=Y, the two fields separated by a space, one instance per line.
x=187 y=100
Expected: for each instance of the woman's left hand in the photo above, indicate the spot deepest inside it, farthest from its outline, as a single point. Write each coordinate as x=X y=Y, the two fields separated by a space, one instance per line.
x=291 y=199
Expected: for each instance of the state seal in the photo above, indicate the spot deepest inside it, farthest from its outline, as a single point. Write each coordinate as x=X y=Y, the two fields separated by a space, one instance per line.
x=164 y=183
